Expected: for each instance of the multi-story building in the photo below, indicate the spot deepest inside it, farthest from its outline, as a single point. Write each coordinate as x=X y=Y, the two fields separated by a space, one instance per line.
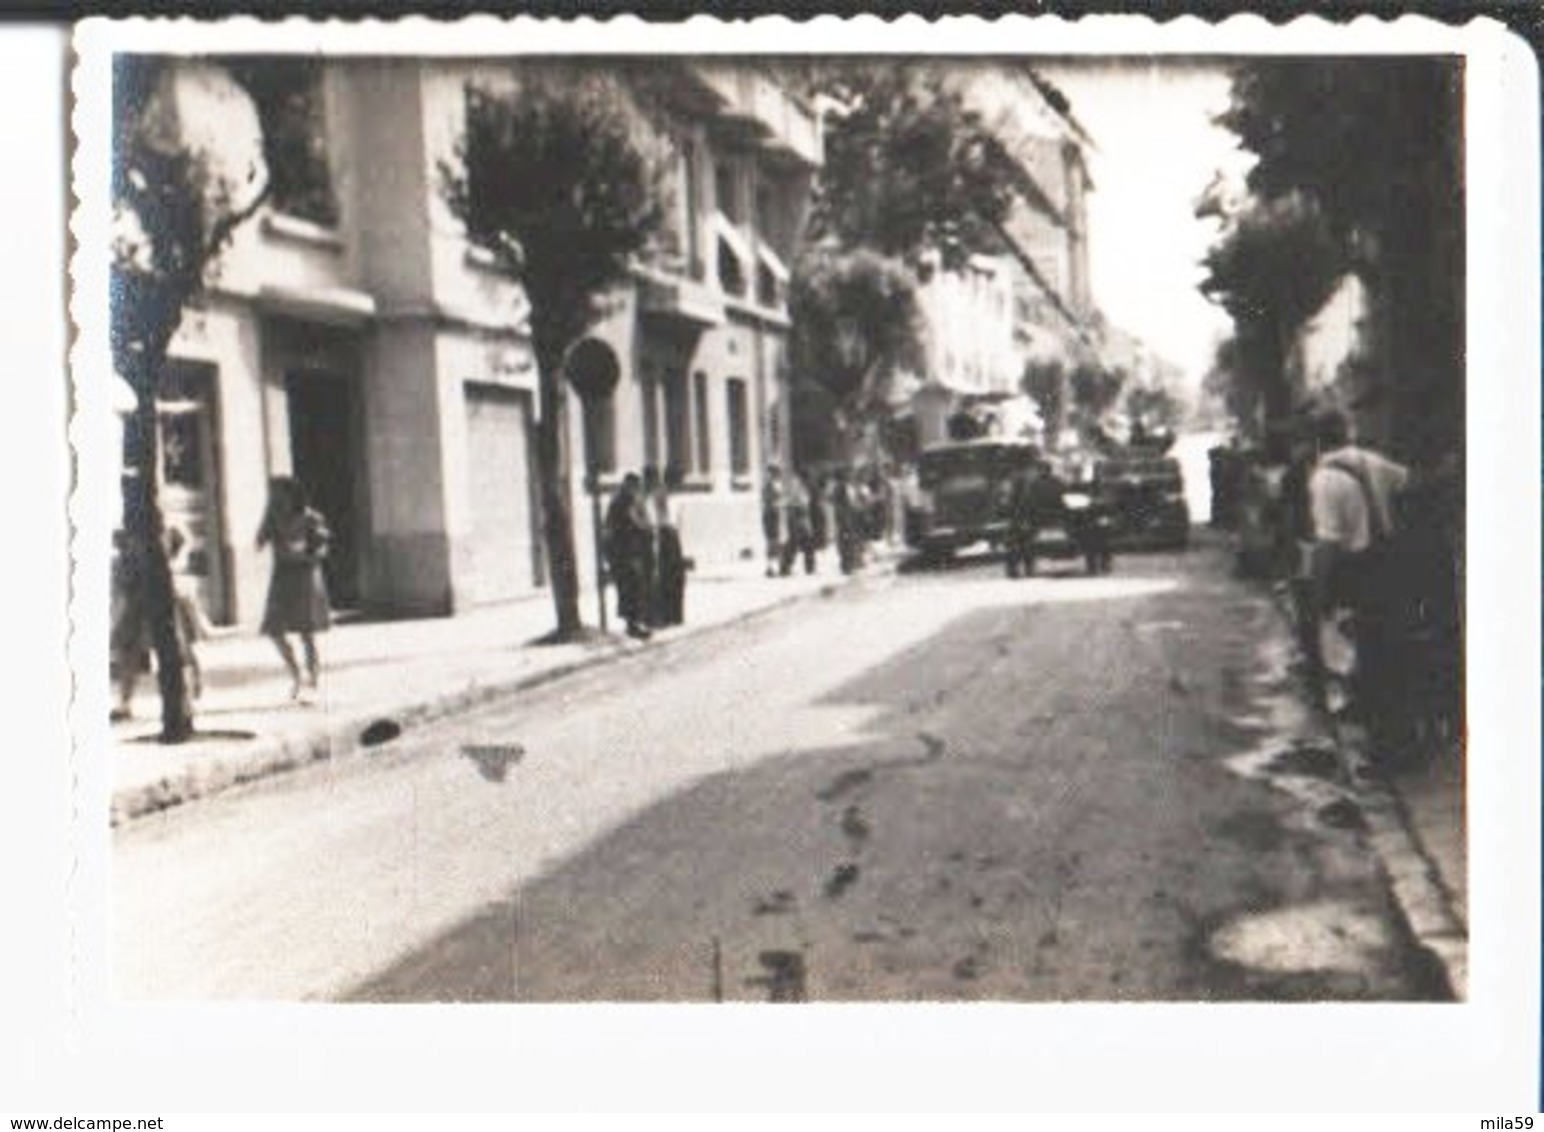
x=355 y=338
x=1031 y=299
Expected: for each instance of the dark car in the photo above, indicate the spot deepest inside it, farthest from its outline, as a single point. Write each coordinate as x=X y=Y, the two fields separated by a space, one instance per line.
x=1146 y=492
x=962 y=494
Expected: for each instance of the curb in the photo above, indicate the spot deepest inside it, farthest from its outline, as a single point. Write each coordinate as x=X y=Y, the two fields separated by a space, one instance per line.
x=270 y=756
x=1415 y=881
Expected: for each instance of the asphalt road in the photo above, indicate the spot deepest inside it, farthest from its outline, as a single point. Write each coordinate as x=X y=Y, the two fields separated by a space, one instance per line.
x=944 y=786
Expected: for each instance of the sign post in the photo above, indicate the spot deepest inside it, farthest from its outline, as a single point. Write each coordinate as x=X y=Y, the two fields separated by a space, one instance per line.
x=593 y=371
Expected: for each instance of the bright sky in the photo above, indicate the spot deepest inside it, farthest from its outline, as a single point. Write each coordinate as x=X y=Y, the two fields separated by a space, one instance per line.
x=1157 y=150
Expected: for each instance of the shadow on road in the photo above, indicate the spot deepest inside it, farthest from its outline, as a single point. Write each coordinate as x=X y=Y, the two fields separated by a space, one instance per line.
x=1037 y=811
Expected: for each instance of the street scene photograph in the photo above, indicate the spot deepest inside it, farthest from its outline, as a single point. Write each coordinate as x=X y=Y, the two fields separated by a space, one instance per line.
x=784 y=528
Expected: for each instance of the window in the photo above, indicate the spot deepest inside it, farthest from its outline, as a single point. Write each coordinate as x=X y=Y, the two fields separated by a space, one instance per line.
x=739 y=427
x=683 y=217
x=704 y=444
x=726 y=185
x=767 y=292
x=678 y=422
x=731 y=276
x=292 y=109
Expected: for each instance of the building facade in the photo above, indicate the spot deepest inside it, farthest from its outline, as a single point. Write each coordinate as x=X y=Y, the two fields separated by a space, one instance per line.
x=1030 y=301
x=356 y=339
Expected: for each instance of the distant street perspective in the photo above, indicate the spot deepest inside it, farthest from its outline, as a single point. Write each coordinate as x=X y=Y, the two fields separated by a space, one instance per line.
x=787 y=530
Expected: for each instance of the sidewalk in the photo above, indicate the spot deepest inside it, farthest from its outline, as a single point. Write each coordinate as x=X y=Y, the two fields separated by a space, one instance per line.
x=1416 y=823
x=387 y=676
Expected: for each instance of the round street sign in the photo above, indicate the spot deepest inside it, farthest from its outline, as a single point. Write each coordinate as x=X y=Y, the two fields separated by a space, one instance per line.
x=592 y=369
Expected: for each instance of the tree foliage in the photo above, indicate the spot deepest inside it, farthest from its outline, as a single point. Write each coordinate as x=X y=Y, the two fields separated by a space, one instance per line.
x=555 y=175
x=1272 y=268
x=176 y=205
x=1154 y=408
x=909 y=168
x=1359 y=137
x=1095 y=389
x=855 y=324
x=1364 y=158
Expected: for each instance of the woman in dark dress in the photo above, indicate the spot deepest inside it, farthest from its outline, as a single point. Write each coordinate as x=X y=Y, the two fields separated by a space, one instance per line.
x=670 y=563
x=297 y=596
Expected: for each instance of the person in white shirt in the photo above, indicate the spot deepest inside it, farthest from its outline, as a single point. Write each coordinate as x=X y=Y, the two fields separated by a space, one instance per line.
x=1352 y=492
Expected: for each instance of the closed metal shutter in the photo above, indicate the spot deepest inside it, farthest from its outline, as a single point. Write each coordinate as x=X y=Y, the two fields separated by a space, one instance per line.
x=500 y=473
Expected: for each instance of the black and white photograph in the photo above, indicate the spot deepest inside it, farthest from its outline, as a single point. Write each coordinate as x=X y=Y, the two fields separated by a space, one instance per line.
x=707 y=522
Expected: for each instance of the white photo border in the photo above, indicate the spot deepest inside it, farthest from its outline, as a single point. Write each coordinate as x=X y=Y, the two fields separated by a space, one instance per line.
x=1482 y=1054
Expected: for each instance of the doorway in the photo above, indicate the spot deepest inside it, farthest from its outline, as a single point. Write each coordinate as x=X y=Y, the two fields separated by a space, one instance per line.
x=324 y=420
x=190 y=482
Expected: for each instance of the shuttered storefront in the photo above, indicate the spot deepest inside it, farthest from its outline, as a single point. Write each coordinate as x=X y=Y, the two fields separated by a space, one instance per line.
x=501 y=473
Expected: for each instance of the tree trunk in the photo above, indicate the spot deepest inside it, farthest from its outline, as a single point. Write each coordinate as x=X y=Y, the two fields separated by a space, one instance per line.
x=557 y=509
x=146 y=529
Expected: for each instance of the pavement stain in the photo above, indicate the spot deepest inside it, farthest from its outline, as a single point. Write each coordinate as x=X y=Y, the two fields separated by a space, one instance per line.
x=854 y=825
x=379 y=732
x=843 y=877
x=493 y=760
x=847 y=781
x=778 y=903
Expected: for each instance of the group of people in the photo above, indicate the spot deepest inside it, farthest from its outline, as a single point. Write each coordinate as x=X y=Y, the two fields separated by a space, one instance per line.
x=297 y=600
x=1374 y=585
x=644 y=552
x=801 y=514
x=1037 y=499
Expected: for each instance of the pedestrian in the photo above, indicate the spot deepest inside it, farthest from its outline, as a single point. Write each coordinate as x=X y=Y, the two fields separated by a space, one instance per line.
x=821 y=522
x=798 y=531
x=1034 y=501
x=297 y=593
x=850 y=518
x=670 y=561
x=191 y=622
x=627 y=535
x=772 y=516
x=1292 y=517
x=129 y=636
x=648 y=547
x=1352 y=496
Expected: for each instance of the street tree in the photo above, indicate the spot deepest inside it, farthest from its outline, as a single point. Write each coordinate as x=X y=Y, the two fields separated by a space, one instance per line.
x=913 y=181
x=910 y=170
x=1094 y=388
x=182 y=184
x=1273 y=266
x=1154 y=408
x=1378 y=149
x=555 y=177
x=856 y=326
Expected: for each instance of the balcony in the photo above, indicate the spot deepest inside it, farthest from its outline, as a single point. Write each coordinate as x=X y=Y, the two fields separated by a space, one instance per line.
x=678 y=299
x=754 y=109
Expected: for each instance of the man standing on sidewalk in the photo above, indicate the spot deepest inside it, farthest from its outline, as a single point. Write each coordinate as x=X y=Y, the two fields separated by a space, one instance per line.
x=1351 y=493
x=627 y=553
x=772 y=516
